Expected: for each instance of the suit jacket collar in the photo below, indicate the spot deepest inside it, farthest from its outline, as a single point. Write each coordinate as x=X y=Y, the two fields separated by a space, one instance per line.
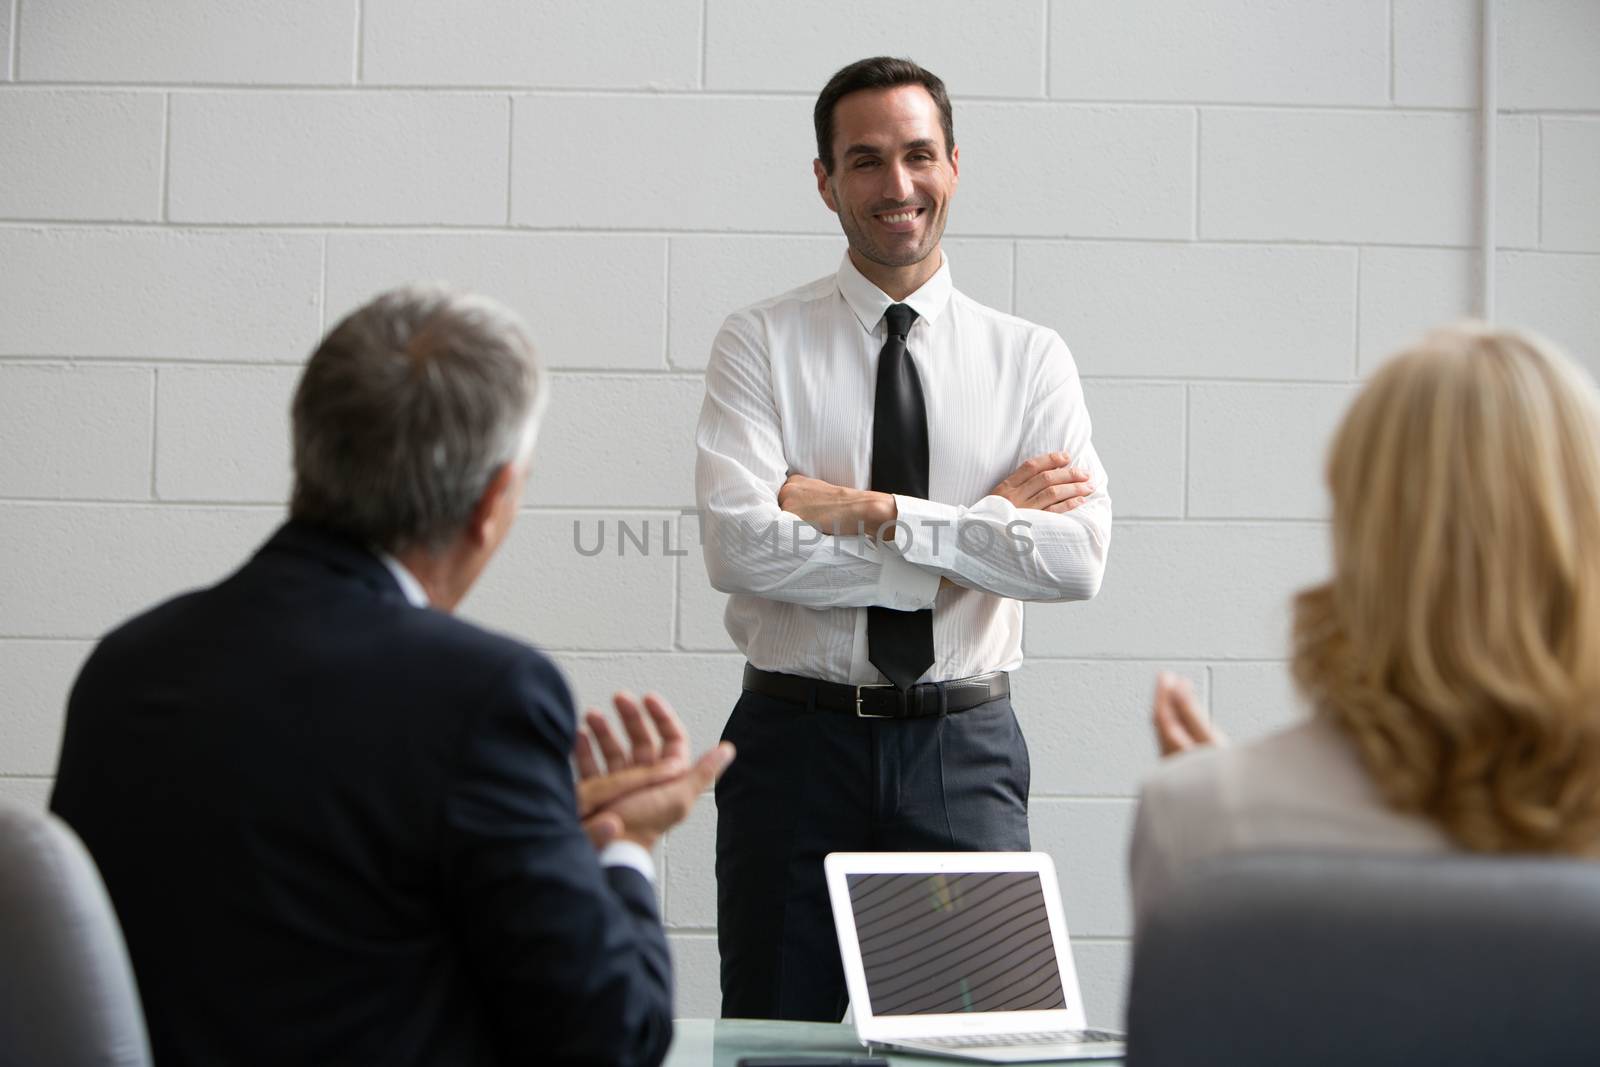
x=338 y=553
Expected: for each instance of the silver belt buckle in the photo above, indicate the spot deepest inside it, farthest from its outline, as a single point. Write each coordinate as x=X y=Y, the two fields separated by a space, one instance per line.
x=871 y=685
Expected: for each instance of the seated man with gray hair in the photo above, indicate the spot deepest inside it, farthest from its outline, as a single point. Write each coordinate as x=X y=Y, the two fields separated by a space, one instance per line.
x=340 y=825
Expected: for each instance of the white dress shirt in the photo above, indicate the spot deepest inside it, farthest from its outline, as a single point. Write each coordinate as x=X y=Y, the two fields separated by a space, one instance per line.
x=617 y=853
x=789 y=390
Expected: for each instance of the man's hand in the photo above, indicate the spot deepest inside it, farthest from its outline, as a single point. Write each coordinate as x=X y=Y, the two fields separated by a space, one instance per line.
x=648 y=813
x=834 y=509
x=637 y=794
x=1180 y=722
x=651 y=762
x=1046 y=482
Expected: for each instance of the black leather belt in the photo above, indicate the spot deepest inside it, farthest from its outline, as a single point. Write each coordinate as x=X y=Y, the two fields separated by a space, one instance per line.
x=880 y=700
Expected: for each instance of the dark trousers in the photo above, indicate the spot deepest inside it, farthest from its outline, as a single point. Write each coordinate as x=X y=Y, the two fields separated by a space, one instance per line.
x=809 y=782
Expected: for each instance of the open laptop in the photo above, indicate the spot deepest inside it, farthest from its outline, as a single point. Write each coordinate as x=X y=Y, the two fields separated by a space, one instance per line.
x=961 y=954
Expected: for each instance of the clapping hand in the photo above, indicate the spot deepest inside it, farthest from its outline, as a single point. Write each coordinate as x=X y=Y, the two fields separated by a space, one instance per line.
x=1181 y=724
x=636 y=793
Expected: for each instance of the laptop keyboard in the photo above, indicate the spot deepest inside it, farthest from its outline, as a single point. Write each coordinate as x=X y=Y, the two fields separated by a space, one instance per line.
x=1044 y=1037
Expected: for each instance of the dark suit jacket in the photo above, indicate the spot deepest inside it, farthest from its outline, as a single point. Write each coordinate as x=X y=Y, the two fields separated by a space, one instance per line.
x=341 y=829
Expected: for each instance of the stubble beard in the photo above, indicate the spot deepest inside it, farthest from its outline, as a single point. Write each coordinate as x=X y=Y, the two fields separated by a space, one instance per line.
x=865 y=246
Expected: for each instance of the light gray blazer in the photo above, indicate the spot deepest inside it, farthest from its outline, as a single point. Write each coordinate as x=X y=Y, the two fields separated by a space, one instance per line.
x=1303 y=787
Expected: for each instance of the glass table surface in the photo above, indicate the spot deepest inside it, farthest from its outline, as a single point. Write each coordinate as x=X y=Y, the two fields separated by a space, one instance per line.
x=720 y=1042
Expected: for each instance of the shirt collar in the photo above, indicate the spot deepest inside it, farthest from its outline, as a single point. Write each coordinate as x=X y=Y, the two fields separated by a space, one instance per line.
x=869 y=302
x=405 y=579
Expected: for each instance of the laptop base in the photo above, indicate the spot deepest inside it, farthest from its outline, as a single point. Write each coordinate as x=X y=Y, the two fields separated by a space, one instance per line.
x=1066 y=1050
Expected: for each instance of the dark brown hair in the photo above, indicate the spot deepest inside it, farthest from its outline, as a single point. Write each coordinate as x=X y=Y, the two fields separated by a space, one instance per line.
x=879 y=72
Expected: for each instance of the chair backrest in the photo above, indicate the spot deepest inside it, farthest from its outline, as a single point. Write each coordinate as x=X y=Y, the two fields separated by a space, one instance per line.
x=1293 y=958
x=67 y=994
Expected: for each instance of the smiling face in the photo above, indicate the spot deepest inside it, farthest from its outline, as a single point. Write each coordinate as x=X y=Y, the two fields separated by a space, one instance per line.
x=892 y=181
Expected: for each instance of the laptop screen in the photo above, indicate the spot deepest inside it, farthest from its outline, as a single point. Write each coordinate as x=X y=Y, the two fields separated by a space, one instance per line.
x=949 y=943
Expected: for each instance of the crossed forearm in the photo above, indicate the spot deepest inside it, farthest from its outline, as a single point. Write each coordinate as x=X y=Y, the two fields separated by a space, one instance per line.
x=835 y=509
x=1046 y=482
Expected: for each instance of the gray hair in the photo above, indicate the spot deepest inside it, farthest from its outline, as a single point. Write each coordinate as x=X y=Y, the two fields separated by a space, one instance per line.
x=405 y=413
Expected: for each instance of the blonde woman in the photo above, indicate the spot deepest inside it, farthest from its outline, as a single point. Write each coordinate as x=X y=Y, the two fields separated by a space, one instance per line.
x=1453 y=659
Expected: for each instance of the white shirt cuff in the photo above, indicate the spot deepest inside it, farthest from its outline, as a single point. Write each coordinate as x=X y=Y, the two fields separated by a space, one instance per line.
x=928 y=537
x=905 y=586
x=629 y=854
x=901 y=585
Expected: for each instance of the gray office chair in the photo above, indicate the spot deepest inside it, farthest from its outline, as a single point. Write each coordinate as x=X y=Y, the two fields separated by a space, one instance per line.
x=67 y=995
x=1286 y=958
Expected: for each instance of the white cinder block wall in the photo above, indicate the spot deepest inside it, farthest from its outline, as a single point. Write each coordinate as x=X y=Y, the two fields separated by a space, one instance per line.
x=1231 y=209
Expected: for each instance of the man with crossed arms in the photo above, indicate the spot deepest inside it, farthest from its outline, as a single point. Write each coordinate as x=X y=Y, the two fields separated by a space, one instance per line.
x=876 y=710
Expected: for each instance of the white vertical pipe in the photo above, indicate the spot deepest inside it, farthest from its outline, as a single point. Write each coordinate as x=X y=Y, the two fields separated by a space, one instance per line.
x=1488 y=111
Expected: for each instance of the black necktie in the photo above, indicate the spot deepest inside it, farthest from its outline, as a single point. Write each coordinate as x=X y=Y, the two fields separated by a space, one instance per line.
x=899 y=643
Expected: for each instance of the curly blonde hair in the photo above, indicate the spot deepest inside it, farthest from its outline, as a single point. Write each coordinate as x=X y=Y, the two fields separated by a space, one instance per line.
x=1458 y=641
